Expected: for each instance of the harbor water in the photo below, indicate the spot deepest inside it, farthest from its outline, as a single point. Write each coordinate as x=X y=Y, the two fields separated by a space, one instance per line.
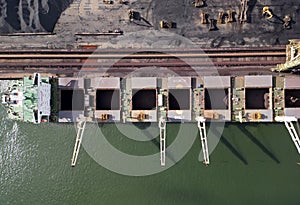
x=252 y=164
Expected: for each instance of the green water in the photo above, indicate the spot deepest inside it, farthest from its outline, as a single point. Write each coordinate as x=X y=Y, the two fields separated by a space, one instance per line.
x=252 y=164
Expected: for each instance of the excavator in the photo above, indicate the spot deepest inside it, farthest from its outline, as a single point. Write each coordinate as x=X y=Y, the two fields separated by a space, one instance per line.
x=108 y=1
x=167 y=24
x=287 y=20
x=134 y=15
x=267 y=12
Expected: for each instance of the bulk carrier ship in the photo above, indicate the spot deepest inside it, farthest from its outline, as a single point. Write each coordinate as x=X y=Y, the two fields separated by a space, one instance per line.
x=250 y=98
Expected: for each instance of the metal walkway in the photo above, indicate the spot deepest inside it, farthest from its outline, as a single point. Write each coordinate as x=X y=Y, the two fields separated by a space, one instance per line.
x=162 y=136
x=202 y=130
x=288 y=122
x=80 y=131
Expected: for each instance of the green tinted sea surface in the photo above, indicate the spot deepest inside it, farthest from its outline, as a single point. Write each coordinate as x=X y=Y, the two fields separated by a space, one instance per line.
x=252 y=164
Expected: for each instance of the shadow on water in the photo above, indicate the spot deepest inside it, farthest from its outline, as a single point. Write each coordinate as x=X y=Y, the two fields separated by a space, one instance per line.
x=156 y=142
x=258 y=143
x=229 y=145
x=142 y=126
x=179 y=194
x=169 y=155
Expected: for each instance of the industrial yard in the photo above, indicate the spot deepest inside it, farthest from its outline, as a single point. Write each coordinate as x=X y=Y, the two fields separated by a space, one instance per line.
x=247 y=26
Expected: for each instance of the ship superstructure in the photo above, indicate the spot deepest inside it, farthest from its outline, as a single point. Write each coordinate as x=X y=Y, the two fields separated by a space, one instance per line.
x=28 y=99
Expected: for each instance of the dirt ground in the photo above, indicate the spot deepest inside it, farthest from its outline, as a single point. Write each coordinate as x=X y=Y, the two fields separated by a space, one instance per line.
x=95 y=16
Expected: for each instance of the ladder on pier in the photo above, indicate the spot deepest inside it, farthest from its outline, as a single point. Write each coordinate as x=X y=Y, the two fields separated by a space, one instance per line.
x=80 y=131
x=288 y=122
x=162 y=136
x=203 y=138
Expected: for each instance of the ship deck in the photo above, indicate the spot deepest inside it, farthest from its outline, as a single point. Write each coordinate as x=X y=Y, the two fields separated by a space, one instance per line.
x=179 y=99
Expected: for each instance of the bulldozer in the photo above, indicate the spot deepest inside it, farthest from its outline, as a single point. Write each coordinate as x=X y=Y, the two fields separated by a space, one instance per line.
x=167 y=24
x=230 y=16
x=287 y=21
x=203 y=18
x=199 y=3
x=108 y=1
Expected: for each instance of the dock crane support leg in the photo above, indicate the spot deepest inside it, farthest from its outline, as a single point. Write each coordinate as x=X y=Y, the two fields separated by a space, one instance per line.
x=162 y=136
x=80 y=131
x=203 y=138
